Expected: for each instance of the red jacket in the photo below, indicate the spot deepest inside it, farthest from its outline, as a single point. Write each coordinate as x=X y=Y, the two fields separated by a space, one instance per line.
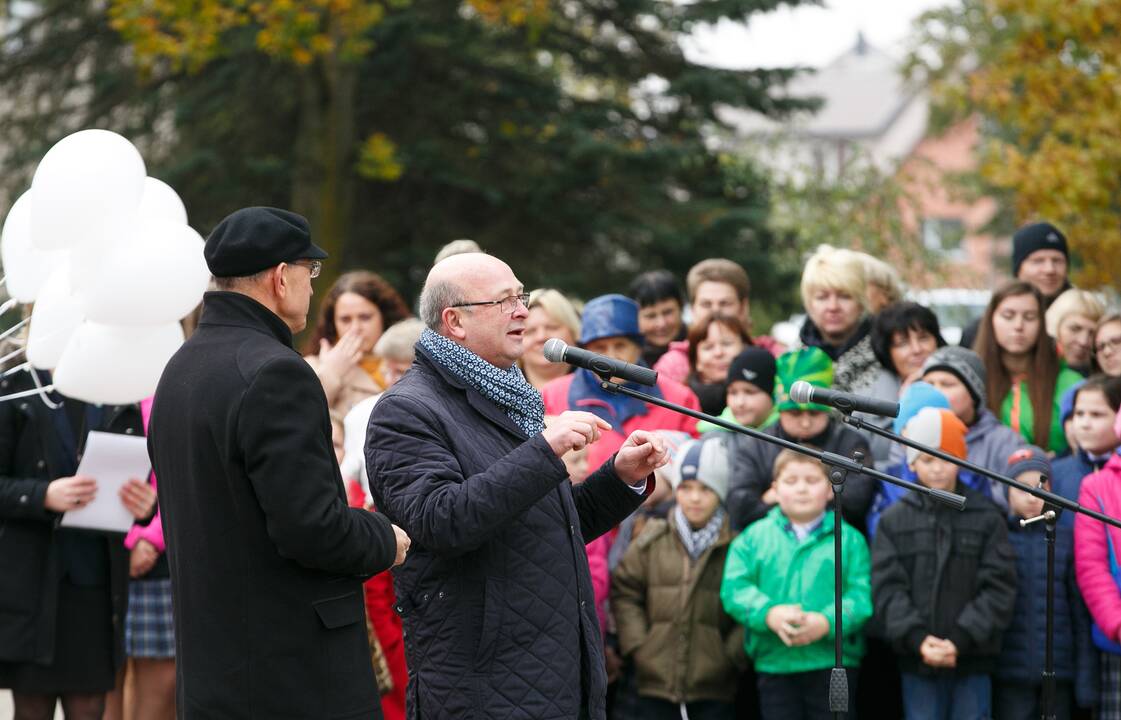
x=380 y=599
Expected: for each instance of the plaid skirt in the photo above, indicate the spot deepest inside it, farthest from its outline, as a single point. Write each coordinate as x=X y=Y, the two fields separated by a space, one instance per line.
x=1110 y=706
x=149 y=626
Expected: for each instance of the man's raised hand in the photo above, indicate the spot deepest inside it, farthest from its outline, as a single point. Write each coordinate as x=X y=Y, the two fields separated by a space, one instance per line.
x=573 y=430
x=642 y=453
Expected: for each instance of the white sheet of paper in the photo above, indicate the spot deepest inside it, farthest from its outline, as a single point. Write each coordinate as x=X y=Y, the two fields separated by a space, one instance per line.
x=111 y=459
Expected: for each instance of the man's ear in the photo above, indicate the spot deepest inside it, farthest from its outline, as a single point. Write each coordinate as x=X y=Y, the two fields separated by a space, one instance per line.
x=278 y=281
x=453 y=324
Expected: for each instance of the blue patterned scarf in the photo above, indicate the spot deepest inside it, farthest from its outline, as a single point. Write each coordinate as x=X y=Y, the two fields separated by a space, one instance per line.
x=508 y=389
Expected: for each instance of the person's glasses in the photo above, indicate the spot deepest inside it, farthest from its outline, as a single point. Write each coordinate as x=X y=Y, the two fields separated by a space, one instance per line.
x=314 y=266
x=1112 y=345
x=507 y=305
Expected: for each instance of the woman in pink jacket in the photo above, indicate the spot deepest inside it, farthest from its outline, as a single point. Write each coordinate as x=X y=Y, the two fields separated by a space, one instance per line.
x=1096 y=557
x=149 y=675
x=609 y=326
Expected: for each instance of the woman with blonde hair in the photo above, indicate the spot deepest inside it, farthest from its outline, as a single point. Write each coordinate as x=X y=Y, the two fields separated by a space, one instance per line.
x=551 y=315
x=882 y=282
x=1070 y=322
x=834 y=293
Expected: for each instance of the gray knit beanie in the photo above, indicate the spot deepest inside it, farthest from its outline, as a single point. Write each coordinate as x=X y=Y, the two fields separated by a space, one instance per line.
x=962 y=362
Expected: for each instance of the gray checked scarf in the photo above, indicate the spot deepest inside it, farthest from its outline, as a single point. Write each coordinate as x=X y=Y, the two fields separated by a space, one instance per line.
x=508 y=389
x=697 y=541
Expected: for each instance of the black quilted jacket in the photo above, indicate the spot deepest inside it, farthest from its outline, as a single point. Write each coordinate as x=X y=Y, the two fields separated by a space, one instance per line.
x=496 y=598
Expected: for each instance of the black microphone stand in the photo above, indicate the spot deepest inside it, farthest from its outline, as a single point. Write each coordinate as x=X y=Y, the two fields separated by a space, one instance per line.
x=839 y=468
x=1052 y=509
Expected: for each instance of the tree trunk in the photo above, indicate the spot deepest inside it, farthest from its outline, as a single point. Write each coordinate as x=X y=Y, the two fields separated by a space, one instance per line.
x=323 y=179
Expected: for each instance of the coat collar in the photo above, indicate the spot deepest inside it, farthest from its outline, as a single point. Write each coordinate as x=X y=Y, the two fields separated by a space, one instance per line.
x=484 y=407
x=234 y=309
x=811 y=336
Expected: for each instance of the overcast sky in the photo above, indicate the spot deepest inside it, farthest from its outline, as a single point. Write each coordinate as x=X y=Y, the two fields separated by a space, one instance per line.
x=808 y=35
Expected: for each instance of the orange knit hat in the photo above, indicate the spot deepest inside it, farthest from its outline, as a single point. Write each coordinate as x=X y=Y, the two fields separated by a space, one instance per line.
x=939 y=428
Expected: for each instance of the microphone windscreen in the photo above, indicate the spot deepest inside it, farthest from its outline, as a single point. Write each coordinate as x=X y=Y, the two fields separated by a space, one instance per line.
x=554 y=350
x=801 y=391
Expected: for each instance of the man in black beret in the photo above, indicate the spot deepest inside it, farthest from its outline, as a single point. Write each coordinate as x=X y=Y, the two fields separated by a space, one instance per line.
x=266 y=558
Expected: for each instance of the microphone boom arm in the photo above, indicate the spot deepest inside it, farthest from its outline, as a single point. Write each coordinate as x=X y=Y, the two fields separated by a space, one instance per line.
x=830 y=459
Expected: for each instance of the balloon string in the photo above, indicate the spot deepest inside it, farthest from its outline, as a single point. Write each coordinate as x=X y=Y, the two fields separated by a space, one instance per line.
x=40 y=390
x=15 y=327
x=18 y=368
x=12 y=355
x=43 y=392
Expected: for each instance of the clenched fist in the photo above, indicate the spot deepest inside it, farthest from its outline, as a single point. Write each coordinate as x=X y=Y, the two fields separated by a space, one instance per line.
x=403 y=543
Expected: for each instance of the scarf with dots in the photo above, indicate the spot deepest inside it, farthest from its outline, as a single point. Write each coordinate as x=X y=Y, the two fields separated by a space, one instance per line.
x=508 y=389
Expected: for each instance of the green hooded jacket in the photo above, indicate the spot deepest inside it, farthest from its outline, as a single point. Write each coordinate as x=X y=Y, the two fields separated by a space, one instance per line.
x=768 y=566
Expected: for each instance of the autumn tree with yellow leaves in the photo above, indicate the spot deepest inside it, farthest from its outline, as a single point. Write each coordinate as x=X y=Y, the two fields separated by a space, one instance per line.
x=1046 y=77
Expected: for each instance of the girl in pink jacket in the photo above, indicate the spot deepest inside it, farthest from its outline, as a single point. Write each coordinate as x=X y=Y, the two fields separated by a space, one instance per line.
x=1096 y=558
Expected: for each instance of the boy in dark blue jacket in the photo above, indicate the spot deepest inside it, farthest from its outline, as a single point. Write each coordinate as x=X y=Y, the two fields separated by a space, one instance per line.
x=1018 y=682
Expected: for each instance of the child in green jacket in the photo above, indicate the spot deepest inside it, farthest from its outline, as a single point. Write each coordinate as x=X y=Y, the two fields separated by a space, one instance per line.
x=778 y=582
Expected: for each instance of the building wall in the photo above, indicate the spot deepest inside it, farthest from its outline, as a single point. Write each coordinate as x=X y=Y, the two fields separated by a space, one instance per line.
x=980 y=260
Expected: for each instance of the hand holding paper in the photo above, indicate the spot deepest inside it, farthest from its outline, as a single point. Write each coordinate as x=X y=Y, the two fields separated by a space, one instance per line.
x=138 y=497
x=112 y=462
x=70 y=493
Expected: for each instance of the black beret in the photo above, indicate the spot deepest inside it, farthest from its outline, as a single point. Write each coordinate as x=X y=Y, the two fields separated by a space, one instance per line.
x=256 y=238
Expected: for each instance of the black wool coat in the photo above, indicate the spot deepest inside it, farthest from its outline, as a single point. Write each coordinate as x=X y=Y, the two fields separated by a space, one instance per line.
x=495 y=596
x=947 y=573
x=266 y=558
x=33 y=452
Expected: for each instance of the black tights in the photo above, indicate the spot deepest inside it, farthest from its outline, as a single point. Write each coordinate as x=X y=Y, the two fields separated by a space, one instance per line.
x=75 y=706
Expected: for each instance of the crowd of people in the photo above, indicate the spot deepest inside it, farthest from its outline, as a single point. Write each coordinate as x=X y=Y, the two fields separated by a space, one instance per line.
x=714 y=599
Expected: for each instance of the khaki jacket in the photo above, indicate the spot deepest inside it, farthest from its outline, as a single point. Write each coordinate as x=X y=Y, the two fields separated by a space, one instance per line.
x=670 y=620
x=345 y=392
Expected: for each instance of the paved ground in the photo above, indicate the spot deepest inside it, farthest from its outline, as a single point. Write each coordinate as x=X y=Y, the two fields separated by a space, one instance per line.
x=6 y=710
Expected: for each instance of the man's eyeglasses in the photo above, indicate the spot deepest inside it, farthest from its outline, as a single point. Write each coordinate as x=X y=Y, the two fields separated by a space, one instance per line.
x=507 y=305
x=314 y=266
x=1113 y=345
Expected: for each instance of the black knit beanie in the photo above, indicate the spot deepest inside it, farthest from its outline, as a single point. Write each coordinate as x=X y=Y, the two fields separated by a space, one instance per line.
x=1037 y=236
x=756 y=366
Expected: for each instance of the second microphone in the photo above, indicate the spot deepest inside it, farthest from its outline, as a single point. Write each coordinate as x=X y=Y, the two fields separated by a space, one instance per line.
x=804 y=392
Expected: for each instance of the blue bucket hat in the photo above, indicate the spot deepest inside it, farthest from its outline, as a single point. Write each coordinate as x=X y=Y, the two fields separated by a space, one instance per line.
x=610 y=316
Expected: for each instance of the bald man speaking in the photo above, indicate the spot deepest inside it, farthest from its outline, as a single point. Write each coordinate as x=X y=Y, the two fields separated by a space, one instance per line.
x=495 y=596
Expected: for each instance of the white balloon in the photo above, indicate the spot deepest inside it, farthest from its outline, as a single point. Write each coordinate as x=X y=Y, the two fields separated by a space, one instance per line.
x=54 y=319
x=113 y=365
x=156 y=275
x=160 y=200
x=26 y=267
x=84 y=187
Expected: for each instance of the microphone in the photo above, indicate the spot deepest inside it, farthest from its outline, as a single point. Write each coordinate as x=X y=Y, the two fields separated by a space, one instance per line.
x=556 y=350
x=804 y=392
